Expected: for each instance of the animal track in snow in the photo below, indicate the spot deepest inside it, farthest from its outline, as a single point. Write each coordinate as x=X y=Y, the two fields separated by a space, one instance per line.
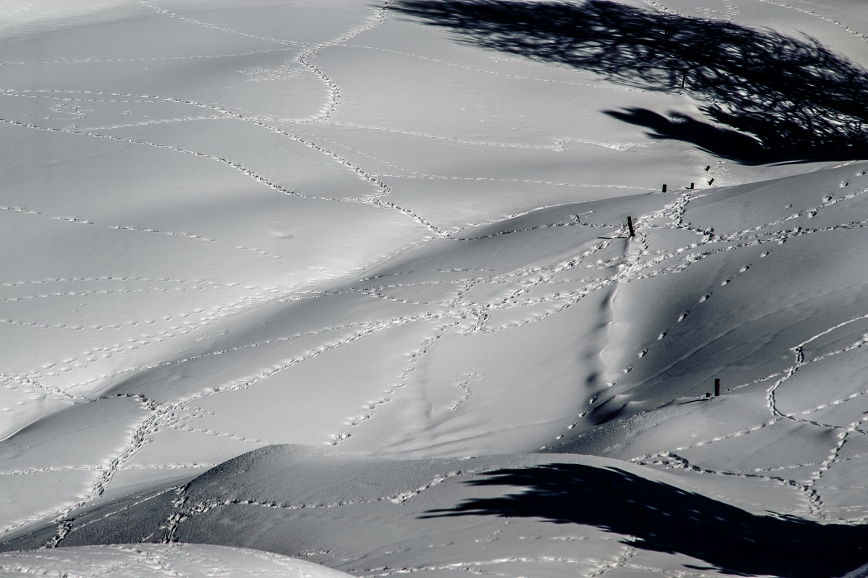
x=141 y=59
x=415 y=357
x=177 y=16
x=811 y=13
x=642 y=264
x=493 y=73
x=376 y=200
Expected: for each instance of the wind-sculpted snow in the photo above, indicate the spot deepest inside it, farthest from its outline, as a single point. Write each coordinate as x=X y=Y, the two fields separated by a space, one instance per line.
x=331 y=225
x=731 y=303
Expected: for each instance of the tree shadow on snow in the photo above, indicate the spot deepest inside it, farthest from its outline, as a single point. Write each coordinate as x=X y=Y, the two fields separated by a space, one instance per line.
x=785 y=99
x=663 y=518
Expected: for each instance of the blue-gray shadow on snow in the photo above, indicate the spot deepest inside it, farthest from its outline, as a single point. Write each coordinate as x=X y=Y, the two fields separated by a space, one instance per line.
x=784 y=99
x=660 y=517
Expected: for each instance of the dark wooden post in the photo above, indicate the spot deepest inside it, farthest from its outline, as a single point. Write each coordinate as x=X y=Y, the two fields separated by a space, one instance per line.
x=716 y=387
x=691 y=185
x=630 y=226
x=664 y=188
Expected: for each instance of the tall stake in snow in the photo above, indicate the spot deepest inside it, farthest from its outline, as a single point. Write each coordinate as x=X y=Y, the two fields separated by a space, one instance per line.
x=630 y=226
x=716 y=387
x=664 y=188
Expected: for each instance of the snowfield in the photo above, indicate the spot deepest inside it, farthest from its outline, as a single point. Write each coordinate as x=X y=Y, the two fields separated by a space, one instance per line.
x=321 y=287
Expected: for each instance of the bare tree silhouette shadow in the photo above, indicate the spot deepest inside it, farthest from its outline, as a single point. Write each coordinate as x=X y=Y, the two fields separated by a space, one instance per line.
x=784 y=99
x=664 y=518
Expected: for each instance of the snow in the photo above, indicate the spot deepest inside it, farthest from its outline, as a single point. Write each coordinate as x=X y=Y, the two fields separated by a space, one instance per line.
x=142 y=560
x=332 y=280
x=529 y=514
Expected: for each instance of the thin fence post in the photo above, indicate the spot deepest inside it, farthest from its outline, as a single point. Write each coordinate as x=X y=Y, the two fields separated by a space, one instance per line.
x=630 y=226
x=716 y=387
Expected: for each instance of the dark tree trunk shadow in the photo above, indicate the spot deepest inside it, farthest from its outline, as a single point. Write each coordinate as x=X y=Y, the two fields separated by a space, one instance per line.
x=664 y=518
x=785 y=99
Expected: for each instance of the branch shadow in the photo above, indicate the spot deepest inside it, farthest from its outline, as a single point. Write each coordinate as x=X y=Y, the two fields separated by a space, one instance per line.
x=664 y=518
x=784 y=99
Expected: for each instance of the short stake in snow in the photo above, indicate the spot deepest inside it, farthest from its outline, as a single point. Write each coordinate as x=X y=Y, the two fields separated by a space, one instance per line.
x=664 y=188
x=710 y=181
x=691 y=185
x=716 y=388
x=630 y=226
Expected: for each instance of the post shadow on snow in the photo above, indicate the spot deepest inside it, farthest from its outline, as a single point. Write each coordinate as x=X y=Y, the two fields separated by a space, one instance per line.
x=663 y=518
x=785 y=99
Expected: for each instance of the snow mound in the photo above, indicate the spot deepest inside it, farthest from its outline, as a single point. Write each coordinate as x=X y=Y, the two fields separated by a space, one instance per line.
x=543 y=515
x=148 y=560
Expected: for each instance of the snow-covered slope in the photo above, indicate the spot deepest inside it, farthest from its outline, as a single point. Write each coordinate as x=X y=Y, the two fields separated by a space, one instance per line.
x=538 y=514
x=768 y=301
x=144 y=560
x=232 y=225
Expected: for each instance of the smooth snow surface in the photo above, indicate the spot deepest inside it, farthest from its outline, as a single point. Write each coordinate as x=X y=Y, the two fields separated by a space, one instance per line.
x=395 y=236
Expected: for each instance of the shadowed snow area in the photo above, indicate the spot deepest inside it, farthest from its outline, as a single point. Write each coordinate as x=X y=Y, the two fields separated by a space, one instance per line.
x=355 y=283
x=795 y=98
x=558 y=515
